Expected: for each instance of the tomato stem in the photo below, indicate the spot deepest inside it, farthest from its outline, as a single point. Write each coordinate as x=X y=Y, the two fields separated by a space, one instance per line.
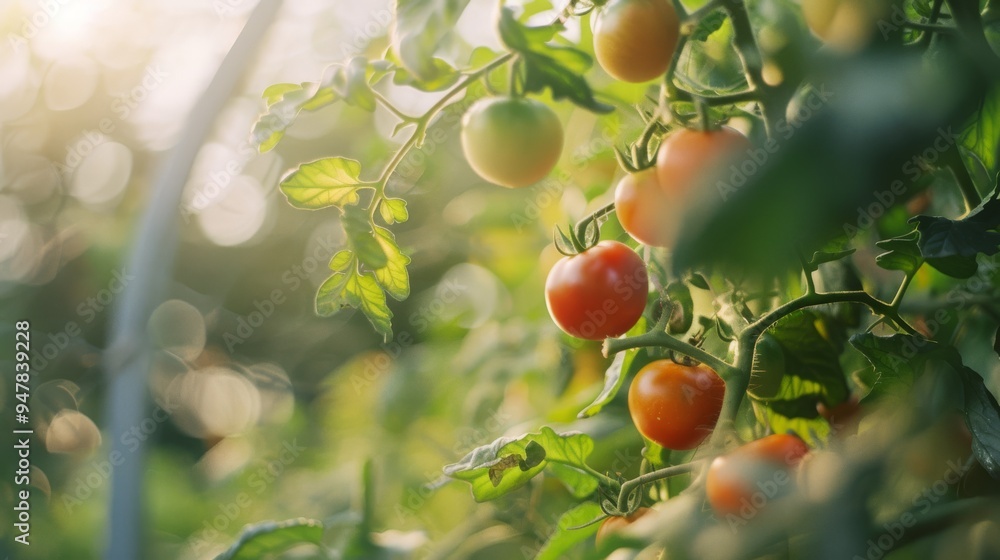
x=629 y=487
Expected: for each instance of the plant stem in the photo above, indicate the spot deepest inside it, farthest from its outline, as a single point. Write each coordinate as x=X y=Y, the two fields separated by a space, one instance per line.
x=898 y=298
x=392 y=108
x=970 y=194
x=749 y=53
x=659 y=337
x=812 y=300
x=631 y=485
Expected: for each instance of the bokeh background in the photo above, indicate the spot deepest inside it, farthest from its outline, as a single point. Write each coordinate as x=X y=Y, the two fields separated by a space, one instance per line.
x=258 y=408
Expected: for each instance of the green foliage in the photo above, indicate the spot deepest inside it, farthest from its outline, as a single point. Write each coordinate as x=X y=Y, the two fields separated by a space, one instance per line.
x=509 y=462
x=270 y=537
x=421 y=29
x=569 y=532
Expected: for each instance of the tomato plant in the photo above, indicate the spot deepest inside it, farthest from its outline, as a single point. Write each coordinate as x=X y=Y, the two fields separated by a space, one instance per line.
x=598 y=293
x=675 y=405
x=813 y=223
x=634 y=40
x=513 y=142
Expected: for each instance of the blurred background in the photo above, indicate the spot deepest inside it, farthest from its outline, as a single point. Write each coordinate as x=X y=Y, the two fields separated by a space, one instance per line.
x=260 y=409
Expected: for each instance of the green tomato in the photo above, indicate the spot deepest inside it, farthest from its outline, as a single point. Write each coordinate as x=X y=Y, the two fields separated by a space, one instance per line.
x=513 y=142
x=634 y=40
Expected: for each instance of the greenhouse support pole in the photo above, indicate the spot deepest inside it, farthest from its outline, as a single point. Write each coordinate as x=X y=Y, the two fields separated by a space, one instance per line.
x=127 y=358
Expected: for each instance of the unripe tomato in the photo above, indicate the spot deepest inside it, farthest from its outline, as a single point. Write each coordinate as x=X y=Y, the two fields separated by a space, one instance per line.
x=685 y=157
x=513 y=142
x=616 y=523
x=634 y=40
x=599 y=293
x=675 y=405
x=643 y=209
x=741 y=482
x=845 y=25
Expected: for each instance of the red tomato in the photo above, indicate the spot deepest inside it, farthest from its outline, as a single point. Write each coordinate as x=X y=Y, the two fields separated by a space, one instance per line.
x=599 y=293
x=741 y=482
x=644 y=210
x=687 y=156
x=616 y=523
x=675 y=405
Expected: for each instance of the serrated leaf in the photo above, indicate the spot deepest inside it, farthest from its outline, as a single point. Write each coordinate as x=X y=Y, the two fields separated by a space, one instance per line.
x=362 y=240
x=903 y=253
x=622 y=366
x=982 y=414
x=341 y=260
x=270 y=538
x=480 y=466
x=441 y=75
x=558 y=68
x=421 y=29
x=566 y=537
x=326 y=182
x=897 y=359
x=393 y=277
x=982 y=136
x=360 y=291
x=393 y=210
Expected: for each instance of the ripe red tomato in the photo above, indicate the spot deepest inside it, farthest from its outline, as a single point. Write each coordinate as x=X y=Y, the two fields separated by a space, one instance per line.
x=634 y=40
x=599 y=293
x=616 y=523
x=741 y=482
x=687 y=156
x=644 y=210
x=510 y=141
x=674 y=405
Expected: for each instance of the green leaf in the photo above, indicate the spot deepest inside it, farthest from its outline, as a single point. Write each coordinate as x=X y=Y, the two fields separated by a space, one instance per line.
x=341 y=260
x=903 y=253
x=708 y=25
x=579 y=483
x=897 y=359
x=982 y=414
x=348 y=82
x=982 y=136
x=421 y=29
x=393 y=210
x=322 y=183
x=796 y=365
x=393 y=277
x=502 y=466
x=836 y=249
x=565 y=537
x=624 y=365
x=768 y=368
x=270 y=537
x=441 y=75
x=362 y=240
x=275 y=93
x=682 y=315
x=359 y=291
x=558 y=68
